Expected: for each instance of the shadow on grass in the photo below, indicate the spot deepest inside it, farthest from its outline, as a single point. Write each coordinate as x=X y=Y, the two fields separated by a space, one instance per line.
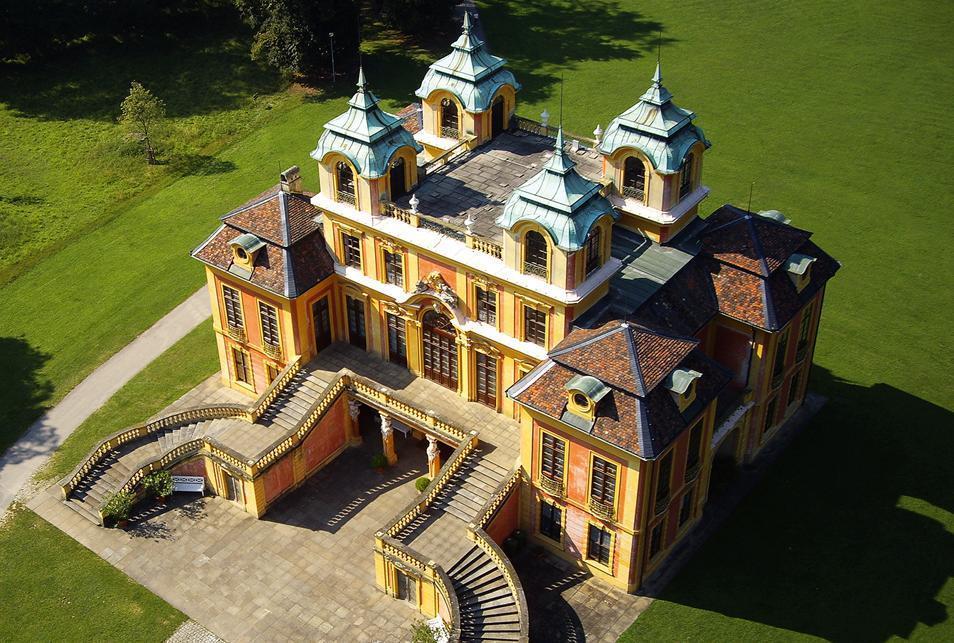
x=202 y=69
x=24 y=393
x=847 y=538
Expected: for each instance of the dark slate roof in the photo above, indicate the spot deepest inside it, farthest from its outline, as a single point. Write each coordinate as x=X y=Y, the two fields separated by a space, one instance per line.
x=295 y=257
x=638 y=415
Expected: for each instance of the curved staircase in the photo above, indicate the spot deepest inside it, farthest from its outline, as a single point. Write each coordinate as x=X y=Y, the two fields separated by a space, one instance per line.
x=488 y=607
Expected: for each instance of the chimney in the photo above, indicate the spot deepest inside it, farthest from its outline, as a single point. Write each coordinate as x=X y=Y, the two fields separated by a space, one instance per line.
x=291 y=180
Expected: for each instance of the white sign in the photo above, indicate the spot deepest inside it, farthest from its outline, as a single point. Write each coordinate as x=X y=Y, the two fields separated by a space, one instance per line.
x=194 y=484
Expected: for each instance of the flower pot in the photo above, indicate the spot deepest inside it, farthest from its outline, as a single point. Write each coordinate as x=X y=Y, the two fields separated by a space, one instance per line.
x=380 y=470
x=122 y=524
x=163 y=500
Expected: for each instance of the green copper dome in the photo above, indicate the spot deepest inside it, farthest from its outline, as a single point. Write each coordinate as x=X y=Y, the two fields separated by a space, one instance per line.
x=366 y=134
x=656 y=127
x=557 y=198
x=470 y=72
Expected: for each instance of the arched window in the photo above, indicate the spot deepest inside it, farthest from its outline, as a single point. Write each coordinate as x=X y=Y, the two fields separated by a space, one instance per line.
x=685 y=177
x=345 y=179
x=450 y=119
x=594 y=257
x=634 y=178
x=397 y=178
x=535 y=254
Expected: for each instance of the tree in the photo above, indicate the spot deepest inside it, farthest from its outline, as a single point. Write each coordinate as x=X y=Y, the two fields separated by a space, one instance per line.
x=142 y=114
x=293 y=35
x=417 y=16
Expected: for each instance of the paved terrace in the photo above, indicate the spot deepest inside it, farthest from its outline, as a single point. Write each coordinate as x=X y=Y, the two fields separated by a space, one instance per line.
x=480 y=182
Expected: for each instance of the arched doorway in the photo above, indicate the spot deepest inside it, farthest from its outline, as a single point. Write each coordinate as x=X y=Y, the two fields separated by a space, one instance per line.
x=497 y=116
x=397 y=178
x=440 y=349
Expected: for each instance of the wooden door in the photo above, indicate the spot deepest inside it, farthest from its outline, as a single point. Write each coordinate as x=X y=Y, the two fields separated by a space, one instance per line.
x=321 y=318
x=486 y=380
x=356 y=330
x=397 y=341
x=440 y=350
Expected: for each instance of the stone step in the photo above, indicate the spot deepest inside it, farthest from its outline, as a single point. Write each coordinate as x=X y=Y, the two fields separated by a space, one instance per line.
x=456 y=510
x=472 y=557
x=468 y=636
x=490 y=604
x=475 y=574
x=84 y=510
x=478 y=612
x=492 y=579
x=487 y=593
x=462 y=499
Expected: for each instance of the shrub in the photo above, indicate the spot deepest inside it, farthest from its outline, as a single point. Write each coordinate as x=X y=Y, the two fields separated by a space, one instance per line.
x=421 y=483
x=119 y=506
x=159 y=484
x=421 y=632
x=378 y=461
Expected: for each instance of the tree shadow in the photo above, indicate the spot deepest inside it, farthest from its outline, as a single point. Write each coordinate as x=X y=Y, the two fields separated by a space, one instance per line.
x=200 y=165
x=537 y=35
x=24 y=394
x=544 y=581
x=849 y=535
x=202 y=69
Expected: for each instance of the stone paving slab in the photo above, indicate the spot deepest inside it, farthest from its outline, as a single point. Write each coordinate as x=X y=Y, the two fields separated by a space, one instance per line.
x=303 y=572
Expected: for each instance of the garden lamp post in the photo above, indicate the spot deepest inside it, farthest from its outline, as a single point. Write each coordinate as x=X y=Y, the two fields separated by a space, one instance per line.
x=331 y=35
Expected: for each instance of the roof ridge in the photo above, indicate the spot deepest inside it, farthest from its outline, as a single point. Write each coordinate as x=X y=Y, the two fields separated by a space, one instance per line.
x=638 y=376
x=267 y=196
x=283 y=215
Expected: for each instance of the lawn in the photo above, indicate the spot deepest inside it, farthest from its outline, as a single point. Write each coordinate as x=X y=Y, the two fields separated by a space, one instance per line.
x=72 y=594
x=836 y=110
x=188 y=362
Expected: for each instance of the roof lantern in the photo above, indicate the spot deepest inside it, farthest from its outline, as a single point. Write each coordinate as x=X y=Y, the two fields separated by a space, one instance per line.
x=656 y=127
x=560 y=200
x=470 y=72
x=366 y=134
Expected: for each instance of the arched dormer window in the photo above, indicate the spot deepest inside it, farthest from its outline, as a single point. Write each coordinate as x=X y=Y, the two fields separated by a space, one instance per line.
x=685 y=176
x=450 y=119
x=594 y=256
x=344 y=177
x=397 y=179
x=634 y=178
x=535 y=254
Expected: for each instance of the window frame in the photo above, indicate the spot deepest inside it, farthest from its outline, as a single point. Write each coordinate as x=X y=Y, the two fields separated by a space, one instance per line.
x=657 y=499
x=241 y=308
x=639 y=177
x=609 y=547
x=529 y=310
x=393 y=267
x=398 y=333
x=348 y=252
x=247 y=369
x=683 y=519
x=593 y=256
x=656 y=541
x=771 y=410
x=554 y=507
x=614 y=491
x=563 y=448
x=544 y=249
x=262 y=307
x=482 y=304
x=685 y=175
x=339 y=166
x=695 y=436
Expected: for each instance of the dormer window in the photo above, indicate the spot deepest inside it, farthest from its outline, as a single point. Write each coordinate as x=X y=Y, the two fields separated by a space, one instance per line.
x=634 y=178
x=682 y=384
x=245 y=249
x=584 y=393
x=535 y=254
x=799 y=268
x=594 y=258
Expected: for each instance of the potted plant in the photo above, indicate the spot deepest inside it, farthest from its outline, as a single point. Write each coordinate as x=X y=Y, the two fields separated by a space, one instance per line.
x=379 y=462
x=159 y=484
x=118 y=507
x=421 y=483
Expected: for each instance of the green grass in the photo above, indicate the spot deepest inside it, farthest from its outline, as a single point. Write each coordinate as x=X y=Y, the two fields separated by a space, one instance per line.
x=188 y=362
x=72 y=594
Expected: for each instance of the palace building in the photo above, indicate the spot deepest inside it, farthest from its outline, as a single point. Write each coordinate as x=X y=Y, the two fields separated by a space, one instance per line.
x=611 y=352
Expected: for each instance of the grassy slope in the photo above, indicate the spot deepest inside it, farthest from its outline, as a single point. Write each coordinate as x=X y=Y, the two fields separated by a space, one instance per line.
x=73 y=594
x=838 y=112
x=171 y=375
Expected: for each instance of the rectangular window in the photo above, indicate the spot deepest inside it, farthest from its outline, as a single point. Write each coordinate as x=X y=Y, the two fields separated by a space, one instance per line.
x=271 y=372
x=770 y=415
x=685 y=509
x=352 y=250
x=486 y=371
x=695 y=446
x=603 y=481
x=397 y=340
x=269 y=325
x=655 y=540
x=803 y=330
x=551 y=521
x=394 y=268
x=233 y=307
x=780 y=349
x=599 y=544
x=665 y=472
x=551 y=461
x=593 y=257
x=534 y=326
x=243 y=371
x=793 y=390
x=486 y=306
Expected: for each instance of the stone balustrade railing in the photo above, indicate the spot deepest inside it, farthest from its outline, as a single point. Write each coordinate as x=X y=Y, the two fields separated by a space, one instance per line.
x=497 y=498
x=496 y=554
x=268 y=396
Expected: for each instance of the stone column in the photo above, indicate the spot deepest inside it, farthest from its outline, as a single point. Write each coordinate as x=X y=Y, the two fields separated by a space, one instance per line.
x=353 y=432
x=433 y=457
x=387 y=438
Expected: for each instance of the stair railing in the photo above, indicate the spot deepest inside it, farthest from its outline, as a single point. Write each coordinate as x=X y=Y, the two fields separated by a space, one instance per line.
x=259 y=406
